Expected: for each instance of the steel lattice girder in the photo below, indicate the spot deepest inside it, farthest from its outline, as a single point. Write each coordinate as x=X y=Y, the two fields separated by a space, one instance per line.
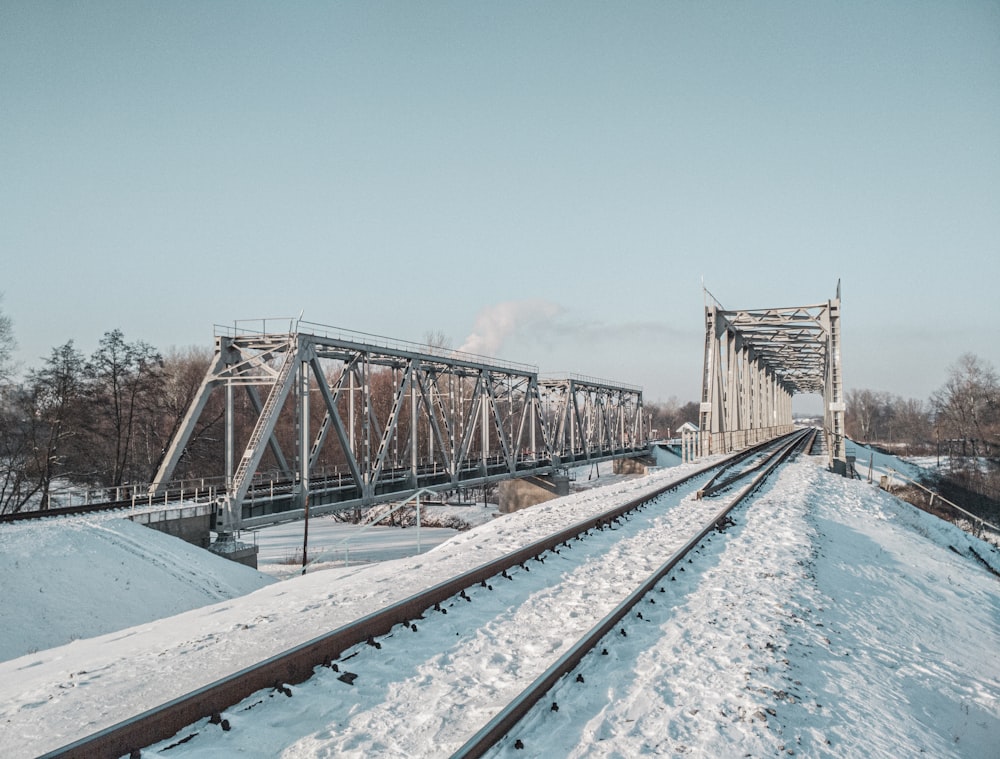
x=791 y=342
x=589 y=416
x=757 y=359
x=466 y=419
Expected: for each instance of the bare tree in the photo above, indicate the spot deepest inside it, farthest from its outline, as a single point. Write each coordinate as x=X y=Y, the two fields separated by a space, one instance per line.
x=13 y=442
x=7 y=346
x=39 y=442
x=689 y=412
x=183 y=371
x=666 y=417
x=15 y=450
x=911 y=422
x=967 y=406
x=438 y=340
x=56 y=393
x=866 y=414
x=126 y=379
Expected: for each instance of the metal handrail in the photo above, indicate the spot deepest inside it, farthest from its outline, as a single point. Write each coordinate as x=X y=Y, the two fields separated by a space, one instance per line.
x=298 y=325
x=976 y=520
x=588 y=380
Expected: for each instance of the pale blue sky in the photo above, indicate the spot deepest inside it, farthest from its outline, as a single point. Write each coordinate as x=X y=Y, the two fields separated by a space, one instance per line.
x=570 y=170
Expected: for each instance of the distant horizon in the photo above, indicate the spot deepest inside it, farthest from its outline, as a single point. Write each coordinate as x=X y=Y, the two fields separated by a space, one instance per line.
x=804 y=405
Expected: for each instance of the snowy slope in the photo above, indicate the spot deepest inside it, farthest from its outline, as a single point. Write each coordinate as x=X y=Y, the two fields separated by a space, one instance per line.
x=832 y=621
x=873 y=464
x=68 y=578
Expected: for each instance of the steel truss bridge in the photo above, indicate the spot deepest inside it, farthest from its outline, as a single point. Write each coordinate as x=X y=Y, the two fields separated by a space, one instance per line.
x=369 y=419
x=756 y=360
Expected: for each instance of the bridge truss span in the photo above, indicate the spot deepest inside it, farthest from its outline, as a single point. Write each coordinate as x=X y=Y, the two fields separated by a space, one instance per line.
x=367 y=419
x=756 y=360
x=591 y=417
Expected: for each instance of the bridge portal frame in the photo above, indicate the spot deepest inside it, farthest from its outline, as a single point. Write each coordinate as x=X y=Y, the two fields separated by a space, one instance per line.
x=460 y=420
x=756 y=360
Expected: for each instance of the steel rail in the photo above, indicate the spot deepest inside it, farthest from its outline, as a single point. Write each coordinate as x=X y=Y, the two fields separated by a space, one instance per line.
x=711 y=487
x=63 y=511
x=297 y=664
x=714 y=485
x=491 y=733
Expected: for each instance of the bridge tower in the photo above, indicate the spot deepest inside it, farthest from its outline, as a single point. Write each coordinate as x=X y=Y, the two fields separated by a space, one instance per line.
x=756 y=360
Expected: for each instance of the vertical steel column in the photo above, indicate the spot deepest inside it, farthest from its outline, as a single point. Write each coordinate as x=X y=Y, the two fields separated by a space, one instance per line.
x=227 y=505
x=745 y=387
x=732 y=384
x=302 y=451
x=431 y=408
x=304 y=455
x=833 y=395
x=762 y=396
x=453 y=423
x=534 y=418
x=414 y=436
x=350 y=412
x=572 y=416
x=484 y=432
x=621 y=423
x=706 y=417
x=772 y=402
x=230 y=437
x=366 y=430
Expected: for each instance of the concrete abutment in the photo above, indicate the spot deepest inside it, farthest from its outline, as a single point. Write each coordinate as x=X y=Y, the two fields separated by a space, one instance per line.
x=529 y=491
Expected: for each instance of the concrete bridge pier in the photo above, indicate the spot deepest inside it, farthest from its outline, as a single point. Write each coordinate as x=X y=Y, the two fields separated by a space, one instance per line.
x=529 y=491
x=189 y=523
x=637 y=465
x=193 y=524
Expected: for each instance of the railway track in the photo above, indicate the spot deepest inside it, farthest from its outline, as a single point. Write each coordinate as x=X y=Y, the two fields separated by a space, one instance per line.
x=519 y=707
x=513 y=593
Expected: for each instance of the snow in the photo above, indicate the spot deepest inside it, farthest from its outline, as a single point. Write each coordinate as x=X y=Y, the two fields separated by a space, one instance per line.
x=845 y=633
x=831 y=620
x=872 y=464
x=81 y=577
x=333 y=543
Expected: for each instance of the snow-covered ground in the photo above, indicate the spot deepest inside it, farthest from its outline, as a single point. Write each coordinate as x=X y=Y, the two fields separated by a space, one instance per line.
x=63 y=579
x=849 y=628
x=333 y=543
x=833 y=620
x=67 y=578
x=872 y=464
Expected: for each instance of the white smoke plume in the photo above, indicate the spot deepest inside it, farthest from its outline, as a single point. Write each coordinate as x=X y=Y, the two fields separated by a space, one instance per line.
x=496 y=323
x=653 y=354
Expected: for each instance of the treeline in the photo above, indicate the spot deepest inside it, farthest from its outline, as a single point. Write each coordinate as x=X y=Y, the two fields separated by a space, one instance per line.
x=664 y=418
x=962 y=417
x=960 y=423
x=102 y=420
